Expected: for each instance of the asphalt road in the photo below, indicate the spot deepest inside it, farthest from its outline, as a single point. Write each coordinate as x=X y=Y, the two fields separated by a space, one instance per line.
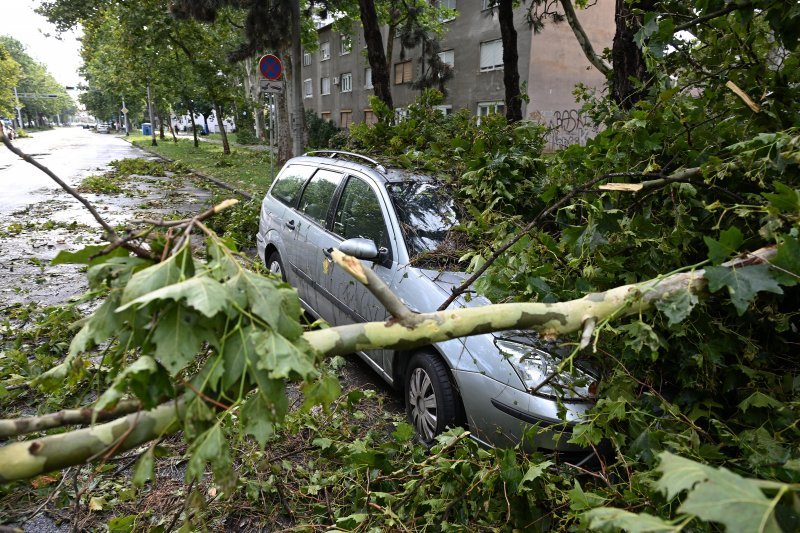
x=71 y=153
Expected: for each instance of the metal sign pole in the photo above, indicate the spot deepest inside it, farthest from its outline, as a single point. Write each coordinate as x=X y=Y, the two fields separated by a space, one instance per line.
x=270 y=98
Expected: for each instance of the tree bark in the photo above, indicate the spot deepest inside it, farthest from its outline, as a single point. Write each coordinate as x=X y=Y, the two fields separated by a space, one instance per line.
x=298 y=117
x=375 y=52
x=505 y=14
x=583 y=39
x=226 y=147
x=194 y=126
x=630 y=77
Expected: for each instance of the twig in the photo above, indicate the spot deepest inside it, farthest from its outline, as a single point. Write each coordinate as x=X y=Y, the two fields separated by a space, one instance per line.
x=206 y=398
x=49 y=498
x=225 y=204
x=181 y=508
x=78 y=495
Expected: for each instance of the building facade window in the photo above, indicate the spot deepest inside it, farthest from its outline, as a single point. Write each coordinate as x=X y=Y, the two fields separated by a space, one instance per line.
x=369 y=117
x=325 y=85
x=345 y=119
x=368 y=78
x=449 y=4
x=492 y=55
x=325 y=115
x=346 y=44
x=489 y=4
x=347 y=82
x=448 y=57
x=307 y=89
x=445 y=110
x=306 y=59
x=490 y=108
x=402 y=72
x=325 y=51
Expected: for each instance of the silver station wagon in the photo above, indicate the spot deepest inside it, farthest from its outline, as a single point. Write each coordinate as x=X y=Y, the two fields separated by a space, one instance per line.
x=398 y=223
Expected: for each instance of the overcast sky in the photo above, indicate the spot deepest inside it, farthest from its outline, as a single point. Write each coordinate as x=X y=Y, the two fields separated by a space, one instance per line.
x=61 y=56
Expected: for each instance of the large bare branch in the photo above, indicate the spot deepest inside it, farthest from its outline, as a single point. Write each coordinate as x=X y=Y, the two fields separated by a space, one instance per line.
x=65 y=417
x=583 y=39
x=26 y=459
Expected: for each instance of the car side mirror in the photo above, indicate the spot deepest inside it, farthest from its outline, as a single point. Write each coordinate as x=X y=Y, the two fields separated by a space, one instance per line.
x=360 y=249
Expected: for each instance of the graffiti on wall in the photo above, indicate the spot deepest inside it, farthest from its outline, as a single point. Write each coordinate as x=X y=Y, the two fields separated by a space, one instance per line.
x=565 y=127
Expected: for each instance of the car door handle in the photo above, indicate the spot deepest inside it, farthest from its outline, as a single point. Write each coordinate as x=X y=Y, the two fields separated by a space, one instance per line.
x=290 y=224
x=327 y=253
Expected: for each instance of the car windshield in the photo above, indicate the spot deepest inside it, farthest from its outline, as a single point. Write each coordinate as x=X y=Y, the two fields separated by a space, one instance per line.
x=429 y=219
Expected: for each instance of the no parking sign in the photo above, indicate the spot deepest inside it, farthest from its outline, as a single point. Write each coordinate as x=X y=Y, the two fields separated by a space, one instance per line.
x=270 y=67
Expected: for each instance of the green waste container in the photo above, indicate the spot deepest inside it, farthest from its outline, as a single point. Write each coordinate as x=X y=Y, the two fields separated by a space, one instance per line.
x=147 y=128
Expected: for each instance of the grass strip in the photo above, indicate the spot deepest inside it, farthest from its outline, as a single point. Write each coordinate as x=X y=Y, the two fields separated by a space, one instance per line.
x=244 y=169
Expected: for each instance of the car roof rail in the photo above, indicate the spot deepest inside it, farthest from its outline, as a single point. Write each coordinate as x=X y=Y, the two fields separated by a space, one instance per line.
x=336 y=153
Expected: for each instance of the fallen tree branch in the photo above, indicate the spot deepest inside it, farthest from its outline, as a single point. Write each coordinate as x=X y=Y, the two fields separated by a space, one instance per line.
x=399 y=311
x=66 y=417
x=26 y=459
x=28 y=159
x=458 y=291
x=20 y=460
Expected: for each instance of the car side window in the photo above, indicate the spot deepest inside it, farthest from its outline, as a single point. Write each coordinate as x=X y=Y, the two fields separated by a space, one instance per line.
x=289 y=184
x=318 y=194
x=359 y=214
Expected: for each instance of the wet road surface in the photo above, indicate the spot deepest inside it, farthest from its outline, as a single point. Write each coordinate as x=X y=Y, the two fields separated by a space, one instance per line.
x=38 y=218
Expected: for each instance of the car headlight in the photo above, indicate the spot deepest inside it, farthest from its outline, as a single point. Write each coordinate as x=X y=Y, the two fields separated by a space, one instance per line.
x=535 y=366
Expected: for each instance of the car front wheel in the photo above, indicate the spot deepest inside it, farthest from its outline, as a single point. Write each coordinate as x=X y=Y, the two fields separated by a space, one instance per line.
x=432 y=402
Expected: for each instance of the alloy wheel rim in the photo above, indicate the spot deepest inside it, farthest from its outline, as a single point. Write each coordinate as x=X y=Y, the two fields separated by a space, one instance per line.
x=422 y=399
x=275 y=268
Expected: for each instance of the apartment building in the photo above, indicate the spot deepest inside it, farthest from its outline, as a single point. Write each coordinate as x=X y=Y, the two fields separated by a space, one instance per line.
x=337 y=79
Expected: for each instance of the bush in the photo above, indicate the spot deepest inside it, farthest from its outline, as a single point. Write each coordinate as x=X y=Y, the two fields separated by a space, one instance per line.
x=246 y=128
x=320 y=132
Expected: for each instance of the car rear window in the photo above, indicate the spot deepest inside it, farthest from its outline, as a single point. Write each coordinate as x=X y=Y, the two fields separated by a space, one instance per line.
x=290 y=182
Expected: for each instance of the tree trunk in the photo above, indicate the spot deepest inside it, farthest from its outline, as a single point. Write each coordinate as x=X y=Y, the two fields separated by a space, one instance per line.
x=254 y=96
x=297 y=117
x=375 y=54
x=505 y=14
x=630 y=78
x=283 y=136
x=226 y=148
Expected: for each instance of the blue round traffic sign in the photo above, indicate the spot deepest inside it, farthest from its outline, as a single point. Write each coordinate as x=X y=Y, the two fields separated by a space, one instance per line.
x=270 y=67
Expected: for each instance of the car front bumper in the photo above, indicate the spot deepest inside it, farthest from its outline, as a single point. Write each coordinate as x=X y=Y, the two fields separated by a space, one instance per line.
x=500 y=415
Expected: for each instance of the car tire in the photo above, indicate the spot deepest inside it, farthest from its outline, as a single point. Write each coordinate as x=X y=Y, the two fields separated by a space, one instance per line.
x=275 y=265
x=432 y=402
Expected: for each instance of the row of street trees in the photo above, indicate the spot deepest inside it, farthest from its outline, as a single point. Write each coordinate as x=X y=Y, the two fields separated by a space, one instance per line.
x=41 y=97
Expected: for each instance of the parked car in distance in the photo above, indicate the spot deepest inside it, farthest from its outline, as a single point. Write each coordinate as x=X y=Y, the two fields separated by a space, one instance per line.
x=8 y=128
x=101 y=127
x=398 y=222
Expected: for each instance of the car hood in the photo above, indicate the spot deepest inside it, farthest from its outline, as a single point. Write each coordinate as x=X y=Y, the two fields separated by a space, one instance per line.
x=446 y=281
